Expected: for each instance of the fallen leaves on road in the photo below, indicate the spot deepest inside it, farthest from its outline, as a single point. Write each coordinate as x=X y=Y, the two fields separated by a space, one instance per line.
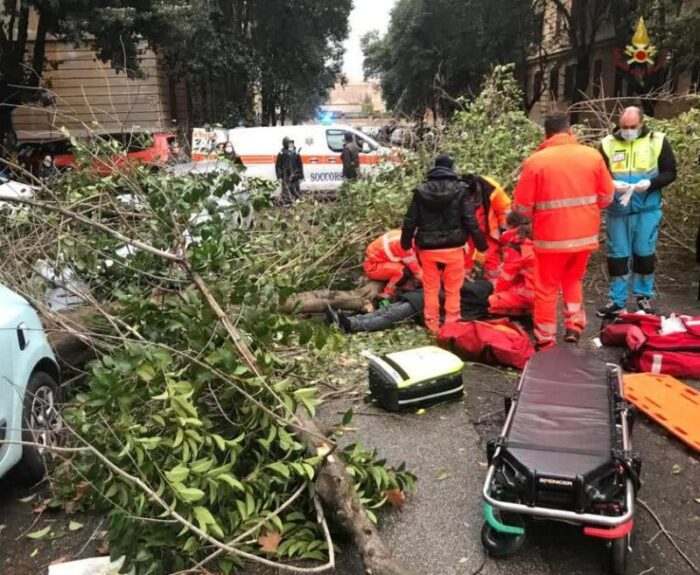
x=697 y=500
x=28 y=498
x=41 y=533
x=676 y=469
x=61 y=559
x=443 y=474
x=270 y=542
x=74 y=526
x=396 y=497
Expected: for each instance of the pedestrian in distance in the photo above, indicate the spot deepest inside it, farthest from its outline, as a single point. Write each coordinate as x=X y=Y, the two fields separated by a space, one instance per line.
x=290 y=172
x=642 y=163
x=562 y=188
x=441 y=220
x=350 y=157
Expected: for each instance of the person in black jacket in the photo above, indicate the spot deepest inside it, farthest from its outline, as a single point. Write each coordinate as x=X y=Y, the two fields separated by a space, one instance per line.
x=350 y=157
x=474 y=302
x=441 y=219
x=290 y=172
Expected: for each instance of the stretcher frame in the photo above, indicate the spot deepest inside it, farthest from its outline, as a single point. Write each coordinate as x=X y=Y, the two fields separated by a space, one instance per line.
x=601 y=526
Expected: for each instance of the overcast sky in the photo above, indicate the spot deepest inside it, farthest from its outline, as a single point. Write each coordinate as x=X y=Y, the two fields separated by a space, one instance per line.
x=366 y=16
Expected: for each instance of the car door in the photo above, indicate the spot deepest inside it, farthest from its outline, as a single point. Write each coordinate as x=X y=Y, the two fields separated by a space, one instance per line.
x=8 y=394
x=325 y=167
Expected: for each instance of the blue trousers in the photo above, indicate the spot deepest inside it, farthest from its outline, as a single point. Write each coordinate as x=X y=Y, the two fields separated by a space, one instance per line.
x=632 y=238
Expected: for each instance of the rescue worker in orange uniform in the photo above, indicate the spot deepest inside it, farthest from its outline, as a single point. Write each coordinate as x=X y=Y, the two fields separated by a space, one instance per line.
x=514 y=294
x=492 y=206
x=441 y=220
x=562 y=188
x=386 y=260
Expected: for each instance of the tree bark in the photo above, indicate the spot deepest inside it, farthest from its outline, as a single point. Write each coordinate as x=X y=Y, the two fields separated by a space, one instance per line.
x=316 y=301
x=335 y=488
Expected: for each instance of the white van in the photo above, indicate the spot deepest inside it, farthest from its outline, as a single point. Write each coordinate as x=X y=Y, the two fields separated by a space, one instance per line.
x=319 y=146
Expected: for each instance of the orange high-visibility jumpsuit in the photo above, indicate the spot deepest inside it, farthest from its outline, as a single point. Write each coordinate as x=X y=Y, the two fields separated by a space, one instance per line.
x=491 y=213
x=514 y=293
x=562 y=187
x=386 y=260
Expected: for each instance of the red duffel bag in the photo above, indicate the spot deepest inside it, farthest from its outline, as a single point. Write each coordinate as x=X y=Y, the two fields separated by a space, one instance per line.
x=493 y=342
x=676 y=354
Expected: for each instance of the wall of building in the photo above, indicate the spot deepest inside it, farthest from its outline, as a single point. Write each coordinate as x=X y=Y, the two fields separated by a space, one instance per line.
x=88 y=95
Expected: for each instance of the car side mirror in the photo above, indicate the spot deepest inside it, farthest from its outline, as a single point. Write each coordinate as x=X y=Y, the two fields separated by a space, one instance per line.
x=365 y=148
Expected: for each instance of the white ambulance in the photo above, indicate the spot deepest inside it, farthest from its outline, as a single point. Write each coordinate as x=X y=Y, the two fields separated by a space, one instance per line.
x=320 y=147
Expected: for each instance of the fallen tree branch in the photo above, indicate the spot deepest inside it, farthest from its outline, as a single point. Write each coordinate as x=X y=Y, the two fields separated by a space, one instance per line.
x=650 y=511
x=335 y=488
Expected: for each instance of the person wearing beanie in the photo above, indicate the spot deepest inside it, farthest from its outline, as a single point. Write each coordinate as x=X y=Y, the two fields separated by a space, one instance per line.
x=440 y=220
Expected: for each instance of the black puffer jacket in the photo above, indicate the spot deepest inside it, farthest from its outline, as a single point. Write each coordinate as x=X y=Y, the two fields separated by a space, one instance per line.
x=441 y=214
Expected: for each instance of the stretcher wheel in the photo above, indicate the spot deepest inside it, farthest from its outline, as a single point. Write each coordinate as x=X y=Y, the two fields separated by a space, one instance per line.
x=617 y=554
x=498 y=544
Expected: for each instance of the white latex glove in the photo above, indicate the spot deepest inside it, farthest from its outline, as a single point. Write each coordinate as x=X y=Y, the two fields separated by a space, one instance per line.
x=621 y=186
x=642 y=186
x=626 y=197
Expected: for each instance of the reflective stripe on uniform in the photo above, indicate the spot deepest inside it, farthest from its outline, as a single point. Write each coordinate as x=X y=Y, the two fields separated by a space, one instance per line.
x=522 y=210
x=656 y=363
x=386 y=240
x=573 y=307
x=566 y=203
x=410 y=260
x=566 y=244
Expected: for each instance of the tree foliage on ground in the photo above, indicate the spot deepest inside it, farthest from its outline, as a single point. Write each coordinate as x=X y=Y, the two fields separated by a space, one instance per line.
x=438 y=50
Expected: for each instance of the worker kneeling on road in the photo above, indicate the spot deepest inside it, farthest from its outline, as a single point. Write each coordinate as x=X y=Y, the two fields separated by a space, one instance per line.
x=515 y=288
x=562 y=188
x=441 y=219
x=641 y=163
x=492 y=206
x=386 y=260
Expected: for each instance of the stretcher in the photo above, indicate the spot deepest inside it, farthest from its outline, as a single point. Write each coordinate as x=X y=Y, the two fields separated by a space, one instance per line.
x=564 y=454
x=672 y=404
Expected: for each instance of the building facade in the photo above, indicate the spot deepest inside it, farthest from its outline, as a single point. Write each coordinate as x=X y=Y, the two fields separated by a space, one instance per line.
x=551 y=75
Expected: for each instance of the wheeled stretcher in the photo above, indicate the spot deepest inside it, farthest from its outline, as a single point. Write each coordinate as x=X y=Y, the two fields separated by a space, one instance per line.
x=564 y=455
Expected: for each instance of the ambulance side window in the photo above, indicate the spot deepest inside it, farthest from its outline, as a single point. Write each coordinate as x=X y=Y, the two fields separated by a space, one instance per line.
x=335 y=139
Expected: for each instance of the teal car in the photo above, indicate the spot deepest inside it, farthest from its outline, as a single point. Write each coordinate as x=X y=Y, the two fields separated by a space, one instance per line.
x=29 y=390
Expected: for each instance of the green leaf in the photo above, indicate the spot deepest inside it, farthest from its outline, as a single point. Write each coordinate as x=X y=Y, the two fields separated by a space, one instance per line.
x=280 y=468
x=146 y=372
x=347 y=418
x=188 y=494
x=74 y=526
x=203 y=516
x=41 y=533
x=177 y=474
x=231 y=481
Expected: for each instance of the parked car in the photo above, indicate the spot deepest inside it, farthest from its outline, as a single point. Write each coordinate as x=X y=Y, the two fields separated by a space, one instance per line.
x=29 y=389
x=151 y=149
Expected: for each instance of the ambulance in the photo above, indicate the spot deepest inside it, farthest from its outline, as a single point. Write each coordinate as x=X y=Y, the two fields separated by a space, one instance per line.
x=319 y=146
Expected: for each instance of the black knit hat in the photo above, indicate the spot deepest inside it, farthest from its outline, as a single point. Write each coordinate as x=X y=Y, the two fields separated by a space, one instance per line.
x=444 y=161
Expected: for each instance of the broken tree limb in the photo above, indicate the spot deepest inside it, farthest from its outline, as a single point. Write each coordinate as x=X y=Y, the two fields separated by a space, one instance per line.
x=316 y=301
x=335 y=488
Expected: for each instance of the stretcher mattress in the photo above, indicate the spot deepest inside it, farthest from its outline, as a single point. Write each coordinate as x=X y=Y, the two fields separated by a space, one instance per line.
x=563 y=424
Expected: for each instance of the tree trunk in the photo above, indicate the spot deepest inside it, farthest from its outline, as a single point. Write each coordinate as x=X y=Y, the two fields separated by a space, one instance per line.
x=39 y=50
x=581 y=80
x=335 y=488
x=316 y=301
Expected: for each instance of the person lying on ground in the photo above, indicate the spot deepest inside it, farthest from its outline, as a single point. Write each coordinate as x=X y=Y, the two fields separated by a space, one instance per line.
x=513 y=295
x=409 y=305
x=386 y=260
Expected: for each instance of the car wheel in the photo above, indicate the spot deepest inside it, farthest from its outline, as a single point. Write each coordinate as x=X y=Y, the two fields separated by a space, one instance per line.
x=41 y=425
